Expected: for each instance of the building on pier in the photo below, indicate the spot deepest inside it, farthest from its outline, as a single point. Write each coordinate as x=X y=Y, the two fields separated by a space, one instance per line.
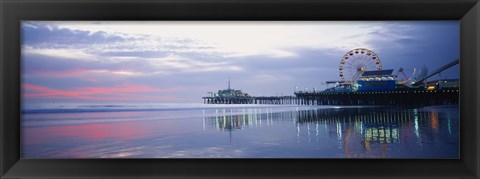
x=442 y=84
x=369 y=81
x=228 y=96
x=381 y=80
x=229 y=93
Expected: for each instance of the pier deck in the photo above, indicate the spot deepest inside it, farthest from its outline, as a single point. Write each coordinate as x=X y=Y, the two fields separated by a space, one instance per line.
x=399 y=97
x=282 y=100
x=406 y=97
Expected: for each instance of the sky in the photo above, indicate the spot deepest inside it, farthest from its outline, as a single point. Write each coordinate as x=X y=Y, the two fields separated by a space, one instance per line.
x=179 y=62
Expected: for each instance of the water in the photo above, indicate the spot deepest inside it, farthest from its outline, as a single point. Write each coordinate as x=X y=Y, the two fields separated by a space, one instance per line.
x=239 y=131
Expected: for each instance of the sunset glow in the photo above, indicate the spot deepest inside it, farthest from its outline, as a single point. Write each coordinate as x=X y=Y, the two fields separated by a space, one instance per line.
x=146 y=61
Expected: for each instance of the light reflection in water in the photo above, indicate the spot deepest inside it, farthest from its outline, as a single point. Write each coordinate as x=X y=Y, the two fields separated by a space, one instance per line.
x=449 y=118
x=415 y=113
x=298 y=132
x=359 y=133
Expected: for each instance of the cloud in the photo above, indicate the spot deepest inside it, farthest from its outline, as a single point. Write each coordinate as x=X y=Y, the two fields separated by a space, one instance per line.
x=189 y=65
x=123 y=92
x=33 y=33
x=76 y=72
x=230 y=39
x=59 y=53
x=168 y=48
x=64 y=63
x=201 y=55
x=60 y=73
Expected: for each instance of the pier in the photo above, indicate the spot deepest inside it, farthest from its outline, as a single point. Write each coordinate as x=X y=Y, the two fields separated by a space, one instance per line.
x=399 y=97
x=366 y=86
x=281 y=100
x=404 y=97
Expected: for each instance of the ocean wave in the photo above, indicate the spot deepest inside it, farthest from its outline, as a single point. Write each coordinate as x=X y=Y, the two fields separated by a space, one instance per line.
x=69 y=108
x=97 y=114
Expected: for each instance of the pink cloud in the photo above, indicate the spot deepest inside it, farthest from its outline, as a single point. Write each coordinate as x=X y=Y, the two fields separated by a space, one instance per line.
x=123 y=92
x=120 y=89
x=93 y=80
x=81 y=71
x=62 y=73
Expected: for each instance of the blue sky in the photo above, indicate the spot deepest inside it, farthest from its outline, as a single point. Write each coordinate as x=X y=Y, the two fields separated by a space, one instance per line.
x=146 y=61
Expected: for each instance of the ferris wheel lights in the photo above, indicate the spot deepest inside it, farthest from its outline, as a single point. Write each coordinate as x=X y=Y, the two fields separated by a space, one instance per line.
x=355 y=62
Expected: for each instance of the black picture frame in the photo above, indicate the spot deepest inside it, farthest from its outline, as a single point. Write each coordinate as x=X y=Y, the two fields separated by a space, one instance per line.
x=13 y=11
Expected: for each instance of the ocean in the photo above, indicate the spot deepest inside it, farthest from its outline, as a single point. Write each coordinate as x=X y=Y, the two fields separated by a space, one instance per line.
x=238 y=131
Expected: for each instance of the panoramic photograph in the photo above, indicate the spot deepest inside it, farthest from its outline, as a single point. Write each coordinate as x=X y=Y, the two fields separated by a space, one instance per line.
x=240 y=89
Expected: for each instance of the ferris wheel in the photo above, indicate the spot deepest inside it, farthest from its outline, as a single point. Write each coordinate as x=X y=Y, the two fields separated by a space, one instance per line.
x=355 y=62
